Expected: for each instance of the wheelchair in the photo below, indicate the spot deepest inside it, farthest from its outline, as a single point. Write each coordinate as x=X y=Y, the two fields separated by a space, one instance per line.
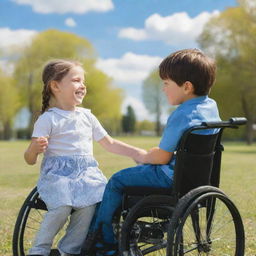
x=194 y=217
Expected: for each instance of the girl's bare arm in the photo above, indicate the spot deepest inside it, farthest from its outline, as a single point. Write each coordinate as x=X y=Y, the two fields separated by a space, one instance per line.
x=121 y=148
x=153 y=156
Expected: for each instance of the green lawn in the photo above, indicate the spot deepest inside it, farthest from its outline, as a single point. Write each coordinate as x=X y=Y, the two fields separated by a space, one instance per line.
x=238 y=180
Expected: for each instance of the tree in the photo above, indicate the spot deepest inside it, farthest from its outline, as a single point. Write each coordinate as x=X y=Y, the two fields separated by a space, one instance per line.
x=231 y=38
x=56 y=44
x=129 y=121
x=9 y=104
x=154 y=98
x=145 y=127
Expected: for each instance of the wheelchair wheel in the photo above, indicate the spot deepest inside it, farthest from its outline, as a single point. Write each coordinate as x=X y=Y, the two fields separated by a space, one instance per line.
x=210 y=225
x=144 y=231
x=28 y=222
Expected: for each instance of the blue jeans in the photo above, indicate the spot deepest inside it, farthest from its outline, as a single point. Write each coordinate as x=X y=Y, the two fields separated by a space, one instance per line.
x=142 y=175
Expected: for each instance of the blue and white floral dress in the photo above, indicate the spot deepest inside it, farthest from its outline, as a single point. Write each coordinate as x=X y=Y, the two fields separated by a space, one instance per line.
x=69 y=173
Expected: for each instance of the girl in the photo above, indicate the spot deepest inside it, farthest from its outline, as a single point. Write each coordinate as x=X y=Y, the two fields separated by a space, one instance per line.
x=70 y=178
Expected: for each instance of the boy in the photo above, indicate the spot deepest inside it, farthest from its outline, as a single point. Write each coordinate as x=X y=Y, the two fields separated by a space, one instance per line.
x=187 y=78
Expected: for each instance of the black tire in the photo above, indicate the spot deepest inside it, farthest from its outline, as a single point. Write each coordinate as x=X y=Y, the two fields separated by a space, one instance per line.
x=144 y=231
x=27 y=224
x=183 y=204
x=208 y=225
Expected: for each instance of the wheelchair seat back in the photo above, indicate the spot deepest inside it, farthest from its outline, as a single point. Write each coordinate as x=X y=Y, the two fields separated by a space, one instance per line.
x=197 y=162
x=198 y=156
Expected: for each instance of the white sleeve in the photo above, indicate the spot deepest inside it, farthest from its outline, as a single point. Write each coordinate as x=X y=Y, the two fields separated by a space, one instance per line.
x=42 y=126
x=98 y=132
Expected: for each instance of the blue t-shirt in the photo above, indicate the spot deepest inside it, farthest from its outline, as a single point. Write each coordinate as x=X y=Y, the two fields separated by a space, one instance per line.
x=189 y=113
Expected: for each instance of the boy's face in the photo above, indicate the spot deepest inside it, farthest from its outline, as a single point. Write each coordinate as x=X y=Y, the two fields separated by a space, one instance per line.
x=174 y=93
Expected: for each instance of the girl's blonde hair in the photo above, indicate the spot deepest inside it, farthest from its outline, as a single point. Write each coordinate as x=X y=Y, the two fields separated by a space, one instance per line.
x=54 y=70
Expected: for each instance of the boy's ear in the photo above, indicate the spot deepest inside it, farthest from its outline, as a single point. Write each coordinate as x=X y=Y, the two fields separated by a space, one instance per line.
x=188 y=87
x=54 y=86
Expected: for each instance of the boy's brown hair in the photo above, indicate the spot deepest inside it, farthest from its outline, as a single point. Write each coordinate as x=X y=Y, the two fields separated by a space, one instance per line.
x=189 y=65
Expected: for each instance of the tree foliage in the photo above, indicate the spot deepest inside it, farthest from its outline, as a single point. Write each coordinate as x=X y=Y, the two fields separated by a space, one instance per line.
x=231 y=38
x=154 y=98
x=129 y=121
x=9 y=104
x=102 y=98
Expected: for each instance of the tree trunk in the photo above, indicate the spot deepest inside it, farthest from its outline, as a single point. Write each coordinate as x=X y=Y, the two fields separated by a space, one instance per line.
x=250 y=121
x=7 y=131
x=31 y=123
x=158 y=128
x=158 y=121
x=30 y=103
x=249 y=132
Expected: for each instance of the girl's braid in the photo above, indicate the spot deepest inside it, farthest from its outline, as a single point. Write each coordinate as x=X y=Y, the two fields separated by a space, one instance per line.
x=47 y=76
x=46 y=95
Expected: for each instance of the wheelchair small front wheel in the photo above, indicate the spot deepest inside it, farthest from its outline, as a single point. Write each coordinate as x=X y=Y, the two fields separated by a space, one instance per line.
x=211 y=225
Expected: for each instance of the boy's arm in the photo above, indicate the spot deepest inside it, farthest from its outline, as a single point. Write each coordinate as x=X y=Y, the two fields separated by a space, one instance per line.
x=37 y=146
x=157 y=155
x=121 y=148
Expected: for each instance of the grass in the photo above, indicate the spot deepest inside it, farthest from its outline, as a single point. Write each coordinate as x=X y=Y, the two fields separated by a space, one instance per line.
x=17 y=179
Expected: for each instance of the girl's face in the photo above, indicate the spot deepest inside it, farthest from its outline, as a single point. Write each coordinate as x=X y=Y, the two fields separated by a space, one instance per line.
x=70 y=91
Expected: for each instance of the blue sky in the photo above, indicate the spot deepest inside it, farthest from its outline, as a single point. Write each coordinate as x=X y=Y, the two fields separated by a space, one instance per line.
x=130 y=36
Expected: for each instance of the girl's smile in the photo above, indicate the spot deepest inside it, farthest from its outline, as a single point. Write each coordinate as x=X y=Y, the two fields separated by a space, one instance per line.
x=80 y=93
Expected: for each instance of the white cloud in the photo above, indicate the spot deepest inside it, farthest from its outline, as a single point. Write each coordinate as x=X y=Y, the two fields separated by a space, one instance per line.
x=130 y=68
x=133 y=33
x=177 y=30
x=68 y=6
x=11 y=39
x=70 y=22
x=10 y=44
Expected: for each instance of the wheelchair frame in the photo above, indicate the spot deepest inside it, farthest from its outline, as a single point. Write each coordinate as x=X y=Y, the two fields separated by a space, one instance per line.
x=175 y=222
x=189 y=199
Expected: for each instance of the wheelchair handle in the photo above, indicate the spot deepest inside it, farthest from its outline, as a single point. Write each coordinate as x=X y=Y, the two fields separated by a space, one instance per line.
x=238 y=120
x=232 y=123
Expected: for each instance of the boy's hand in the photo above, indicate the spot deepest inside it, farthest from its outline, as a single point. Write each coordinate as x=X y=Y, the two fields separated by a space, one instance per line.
x=40 y=144
x=138 y=163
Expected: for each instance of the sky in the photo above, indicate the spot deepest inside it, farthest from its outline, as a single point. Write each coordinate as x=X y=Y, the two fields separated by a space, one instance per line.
x=131 y=37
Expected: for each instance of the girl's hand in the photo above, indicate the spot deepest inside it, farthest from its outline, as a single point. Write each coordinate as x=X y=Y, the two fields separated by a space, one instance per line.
x=139 y=157
x=39 y=145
